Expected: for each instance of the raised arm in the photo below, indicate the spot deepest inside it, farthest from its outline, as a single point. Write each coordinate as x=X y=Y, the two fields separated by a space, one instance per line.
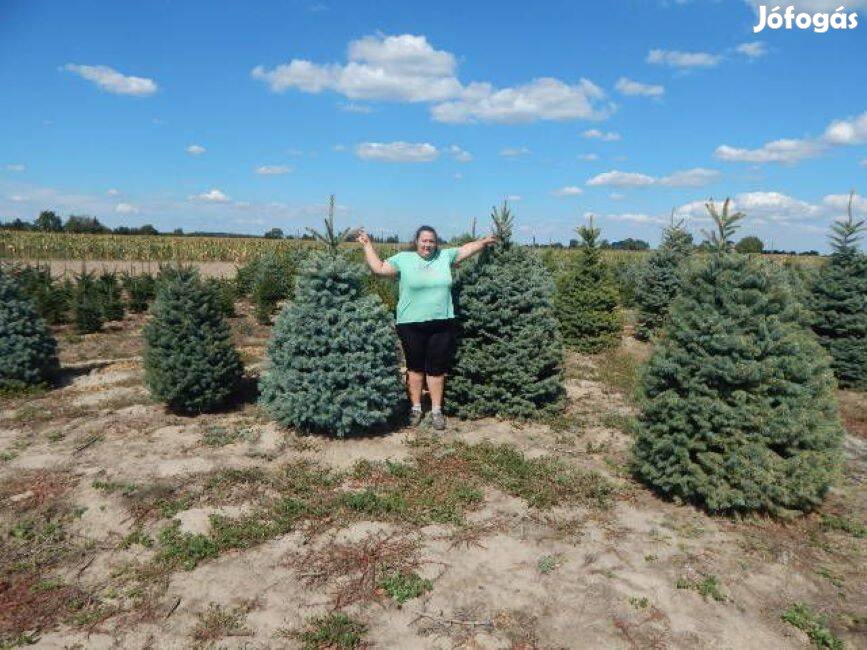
x=378 y=266
x=471 y=248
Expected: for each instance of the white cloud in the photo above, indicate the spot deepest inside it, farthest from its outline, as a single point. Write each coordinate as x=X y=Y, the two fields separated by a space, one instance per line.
x=589 y=157
x=514 y=152
x=840 y=203
x=112 y=192
x=212 y=196
x=541 y=99
x=273 y=170
x=695 y=177
x=634 y=217
x=847 y=132
x=596 y=134
x=164 y=211
x=616 y=196
x=863 y=162
x=406 y=68
x=339 y=147
x=568 y=190
x=457 y=176
x=15 y=167
x=113 y=81
x=460 y=154
x=772 y=207
x=514 y=198
x=125 y=208
x=780 y=151
x=753 y=50
x=616 y=178
x=677 y=59
x=195 y=150
x=395 y=68
x=397 y=151
x=851 y=131
x=630 y=87
x=352 y=107
x=17 y=198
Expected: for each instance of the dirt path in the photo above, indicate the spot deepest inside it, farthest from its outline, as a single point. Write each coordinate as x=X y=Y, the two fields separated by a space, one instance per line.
x=68 y=268
x=565 y=573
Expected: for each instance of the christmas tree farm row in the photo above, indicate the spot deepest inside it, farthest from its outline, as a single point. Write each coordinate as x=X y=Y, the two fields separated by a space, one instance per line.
x=738 y=407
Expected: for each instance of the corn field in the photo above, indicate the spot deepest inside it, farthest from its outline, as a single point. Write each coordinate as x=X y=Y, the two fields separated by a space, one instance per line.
x=163 y=248
x=18 y=245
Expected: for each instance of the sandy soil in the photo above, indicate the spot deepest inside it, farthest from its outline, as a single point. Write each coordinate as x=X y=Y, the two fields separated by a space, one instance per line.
x=68 y=268
x=510 y=576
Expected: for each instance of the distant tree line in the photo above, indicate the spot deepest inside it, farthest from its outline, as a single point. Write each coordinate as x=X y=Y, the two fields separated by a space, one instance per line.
x=49 y=221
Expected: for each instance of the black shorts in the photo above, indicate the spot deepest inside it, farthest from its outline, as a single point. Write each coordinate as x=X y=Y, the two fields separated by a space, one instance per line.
x=428 y=346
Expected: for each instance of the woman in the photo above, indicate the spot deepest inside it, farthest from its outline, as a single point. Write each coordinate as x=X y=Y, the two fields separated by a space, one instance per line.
x=425 y=313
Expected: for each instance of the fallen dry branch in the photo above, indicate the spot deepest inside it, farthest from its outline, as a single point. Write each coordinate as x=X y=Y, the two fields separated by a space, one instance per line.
x=355 y=569
x=452 y=621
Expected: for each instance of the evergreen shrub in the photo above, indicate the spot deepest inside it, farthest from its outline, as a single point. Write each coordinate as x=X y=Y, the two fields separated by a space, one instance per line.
x=190 y=362
x=111 y=296
x=140 y=289
x=586 y=302
x=87 y=306
x=333 y=354
x=28 y=350
x=738 y=411
x=661 y=280
x=839 y=304
x=510 y=352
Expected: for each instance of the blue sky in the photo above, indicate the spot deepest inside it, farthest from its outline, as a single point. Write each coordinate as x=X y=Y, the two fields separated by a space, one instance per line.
x=241 y=116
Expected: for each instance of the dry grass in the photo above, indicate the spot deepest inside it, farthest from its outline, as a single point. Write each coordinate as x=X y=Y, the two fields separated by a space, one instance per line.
x=853 y=410
x=35 y=543
x=219 y=622
x=354 y=571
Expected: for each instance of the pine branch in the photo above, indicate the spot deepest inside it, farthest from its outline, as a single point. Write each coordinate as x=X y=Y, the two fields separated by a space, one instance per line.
x=328 y=236
x=726 y=226
x=589 y=235
x=503 y=221
x=674 y=223
x=847 y=234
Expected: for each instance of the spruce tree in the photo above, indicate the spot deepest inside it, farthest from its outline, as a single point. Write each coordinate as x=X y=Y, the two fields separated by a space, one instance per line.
x=141 y=289
x=738 y=409
x=190 y=362
x=50 y=299
x=87 y=304
x=586 y=299
x=333 y=353
x=227 y=293
x=839 y=303
x=269 y=286
x=28 y=351
x=660 y=281
x=510 y=351
x=110 y=296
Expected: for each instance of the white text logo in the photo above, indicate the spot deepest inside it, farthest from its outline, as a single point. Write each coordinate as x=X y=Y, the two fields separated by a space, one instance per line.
x=820 y=22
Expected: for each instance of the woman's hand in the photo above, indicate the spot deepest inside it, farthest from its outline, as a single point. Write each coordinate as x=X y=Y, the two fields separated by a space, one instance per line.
x=371 y=257
x=476 y=246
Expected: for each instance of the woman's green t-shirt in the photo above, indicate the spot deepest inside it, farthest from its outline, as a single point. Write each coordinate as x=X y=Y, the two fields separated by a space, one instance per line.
x=425 y=285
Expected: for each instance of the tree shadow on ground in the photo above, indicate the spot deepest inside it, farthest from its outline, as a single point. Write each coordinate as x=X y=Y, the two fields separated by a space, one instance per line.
x=66 y=375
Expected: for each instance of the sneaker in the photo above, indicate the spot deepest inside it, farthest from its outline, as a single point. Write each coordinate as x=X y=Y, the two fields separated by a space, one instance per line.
x=415 y=417
x=438 y=421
